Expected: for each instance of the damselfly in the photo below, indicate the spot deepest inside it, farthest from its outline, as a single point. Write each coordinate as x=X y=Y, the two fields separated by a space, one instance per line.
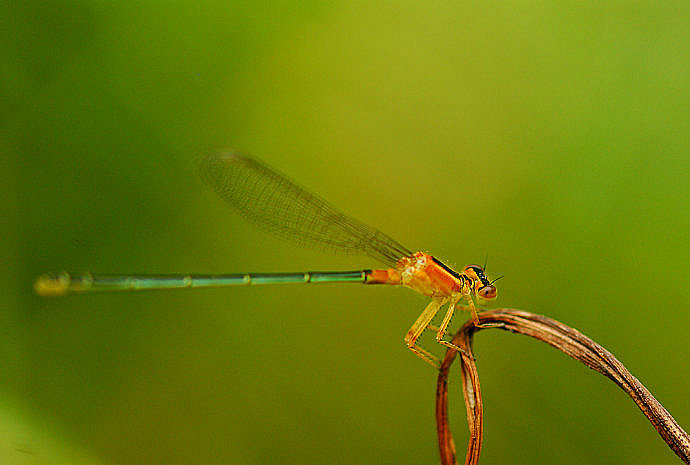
x=274 y=203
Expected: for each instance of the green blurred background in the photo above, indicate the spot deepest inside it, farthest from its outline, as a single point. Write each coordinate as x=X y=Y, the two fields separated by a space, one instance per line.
x=552 y=136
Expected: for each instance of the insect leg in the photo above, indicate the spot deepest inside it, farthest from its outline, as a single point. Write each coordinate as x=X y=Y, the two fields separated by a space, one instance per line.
x=419 y=326
x=444 y=325
x=472 y=307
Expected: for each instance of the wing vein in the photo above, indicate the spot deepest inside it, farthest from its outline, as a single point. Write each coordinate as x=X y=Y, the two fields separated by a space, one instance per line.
x=277 y=205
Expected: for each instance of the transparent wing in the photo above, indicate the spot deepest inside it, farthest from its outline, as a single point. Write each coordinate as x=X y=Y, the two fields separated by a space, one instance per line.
x=277 y=205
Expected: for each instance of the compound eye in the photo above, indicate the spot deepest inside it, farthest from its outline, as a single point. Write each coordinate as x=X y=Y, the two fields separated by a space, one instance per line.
x=487 y=292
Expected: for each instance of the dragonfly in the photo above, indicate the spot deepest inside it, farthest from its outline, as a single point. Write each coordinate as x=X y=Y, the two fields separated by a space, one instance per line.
x=274 y=203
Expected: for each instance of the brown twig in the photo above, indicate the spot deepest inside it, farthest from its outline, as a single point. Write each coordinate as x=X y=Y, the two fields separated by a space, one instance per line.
x=562 y=337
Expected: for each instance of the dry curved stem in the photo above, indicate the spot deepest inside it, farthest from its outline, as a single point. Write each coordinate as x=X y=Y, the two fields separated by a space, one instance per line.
x=562 y=337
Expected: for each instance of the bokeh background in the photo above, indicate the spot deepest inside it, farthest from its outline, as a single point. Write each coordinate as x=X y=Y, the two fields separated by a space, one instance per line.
x=552 y=136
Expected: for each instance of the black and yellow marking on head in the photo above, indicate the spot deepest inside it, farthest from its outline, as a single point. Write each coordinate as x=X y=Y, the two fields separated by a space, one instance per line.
x=482 y=286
